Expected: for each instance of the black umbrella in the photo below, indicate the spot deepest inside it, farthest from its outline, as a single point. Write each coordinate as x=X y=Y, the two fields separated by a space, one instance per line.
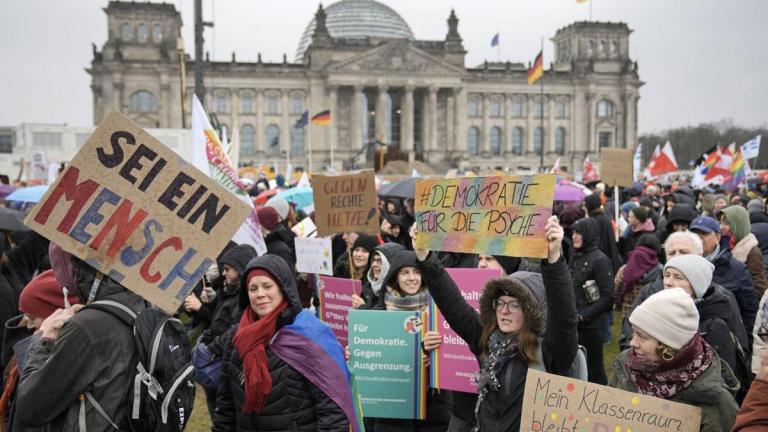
x=12 y=220
x=402 y=189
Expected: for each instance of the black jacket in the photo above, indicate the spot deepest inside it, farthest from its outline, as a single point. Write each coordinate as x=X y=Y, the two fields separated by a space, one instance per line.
x=735 y=277
x=294 y=404
x=717 y=320
x=607 y=238
x=501 y=411
x=589 y=263
x=280 y=242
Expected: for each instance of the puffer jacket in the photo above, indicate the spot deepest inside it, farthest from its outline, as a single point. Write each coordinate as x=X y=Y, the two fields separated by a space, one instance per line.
x=717 y=315
x=712 y=391
x=371 y=293
x=93 y=352
x=294 y=404
x=548 y=304
x=735 y=277
x=589 y=263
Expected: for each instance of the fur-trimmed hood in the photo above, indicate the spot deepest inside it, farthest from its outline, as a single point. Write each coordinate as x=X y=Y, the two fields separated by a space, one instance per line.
x=527 y=288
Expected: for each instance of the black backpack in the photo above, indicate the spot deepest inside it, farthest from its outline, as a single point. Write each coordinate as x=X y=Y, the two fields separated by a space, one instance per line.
x=743 y=369
x=163 y=391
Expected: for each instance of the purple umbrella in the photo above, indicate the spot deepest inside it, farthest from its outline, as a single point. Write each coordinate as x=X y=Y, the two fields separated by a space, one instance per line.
x=5 y=189
x=569 y=192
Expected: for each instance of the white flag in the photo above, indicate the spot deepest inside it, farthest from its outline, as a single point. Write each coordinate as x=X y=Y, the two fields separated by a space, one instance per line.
x=751 y=148
x=637 y=161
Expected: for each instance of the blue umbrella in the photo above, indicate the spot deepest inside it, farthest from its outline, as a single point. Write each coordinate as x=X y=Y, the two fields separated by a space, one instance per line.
x=31 y=194
x=300 y=197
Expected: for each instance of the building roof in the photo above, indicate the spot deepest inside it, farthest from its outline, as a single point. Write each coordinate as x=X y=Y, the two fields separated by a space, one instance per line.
x=358 y=19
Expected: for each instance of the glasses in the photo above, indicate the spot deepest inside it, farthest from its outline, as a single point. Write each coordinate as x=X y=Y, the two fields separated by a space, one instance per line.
x=510 y=306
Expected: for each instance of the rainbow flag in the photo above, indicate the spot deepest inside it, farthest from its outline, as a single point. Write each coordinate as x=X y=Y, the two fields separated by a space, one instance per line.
x=738 y=171
x=322 y=118
x=537 y=70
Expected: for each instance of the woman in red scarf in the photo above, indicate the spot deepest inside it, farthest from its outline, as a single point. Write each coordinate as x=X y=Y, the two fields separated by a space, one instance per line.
x=265 y=386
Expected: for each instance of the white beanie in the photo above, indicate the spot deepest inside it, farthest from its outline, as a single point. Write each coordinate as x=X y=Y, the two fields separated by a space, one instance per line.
x=698 y=270
x=280 y=205
x=669 y=316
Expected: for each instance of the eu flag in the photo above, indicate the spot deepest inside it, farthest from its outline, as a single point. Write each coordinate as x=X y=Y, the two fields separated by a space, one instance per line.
x=302 y=121
x=495 y=40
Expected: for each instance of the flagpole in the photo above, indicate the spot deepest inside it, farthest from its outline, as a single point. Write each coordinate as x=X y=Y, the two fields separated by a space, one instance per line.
x=498 y=47
x=541 y=109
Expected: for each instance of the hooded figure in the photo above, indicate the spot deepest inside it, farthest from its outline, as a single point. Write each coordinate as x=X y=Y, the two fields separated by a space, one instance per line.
x=93 y=351
x=745 y=245
x=594 y=290
x=606 y=237
x=372 y=284
x=266 y=381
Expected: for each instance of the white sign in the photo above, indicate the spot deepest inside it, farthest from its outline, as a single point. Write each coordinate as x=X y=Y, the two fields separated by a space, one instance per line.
x=313 y=255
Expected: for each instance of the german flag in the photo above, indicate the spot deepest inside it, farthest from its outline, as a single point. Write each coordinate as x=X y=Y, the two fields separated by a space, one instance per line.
x=537 y=70
x=322 y=118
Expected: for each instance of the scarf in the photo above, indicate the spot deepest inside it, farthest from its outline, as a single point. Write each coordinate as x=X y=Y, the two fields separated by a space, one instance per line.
x=251 y=339
x=501 y=349
x=743 y=247
x=641 y=260
x=646 y=226
x=664 y=379
x=398 y=302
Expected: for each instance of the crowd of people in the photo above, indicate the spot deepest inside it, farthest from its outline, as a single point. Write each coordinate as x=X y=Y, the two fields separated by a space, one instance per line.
x=682 y=271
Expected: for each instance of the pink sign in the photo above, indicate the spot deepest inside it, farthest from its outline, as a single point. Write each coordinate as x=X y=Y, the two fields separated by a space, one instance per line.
x=335 y=296
x=453 y=366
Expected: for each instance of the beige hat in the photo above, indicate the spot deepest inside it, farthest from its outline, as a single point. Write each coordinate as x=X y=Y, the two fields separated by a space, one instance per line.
x=669 y=316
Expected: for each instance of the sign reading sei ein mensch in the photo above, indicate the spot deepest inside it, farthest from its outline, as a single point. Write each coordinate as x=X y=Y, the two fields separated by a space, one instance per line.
x=136 y=211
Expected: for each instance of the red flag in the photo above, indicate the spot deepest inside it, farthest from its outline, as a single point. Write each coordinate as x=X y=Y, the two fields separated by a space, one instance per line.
x=589 y=172
x=723 y=159
x=663 y=162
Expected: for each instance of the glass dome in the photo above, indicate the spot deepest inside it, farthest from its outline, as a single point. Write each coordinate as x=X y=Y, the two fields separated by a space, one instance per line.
x=358 y=19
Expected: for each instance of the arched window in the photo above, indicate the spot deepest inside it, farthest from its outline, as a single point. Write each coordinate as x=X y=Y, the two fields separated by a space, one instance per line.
x=221 y=104
x=143 y=101
x=605 y=108
x=126 y=32
x=247 y=140
x=518 y=107
x=496 y=107
x=474 y=106
x=272 y=106
x=560 y=141
x=473 y=141
x=496 y=141
x=562 y=108
x=157 y=33
x=538 y=134
x=142 y=33
x=517 y=140
x=297 y=141
x=272 y=141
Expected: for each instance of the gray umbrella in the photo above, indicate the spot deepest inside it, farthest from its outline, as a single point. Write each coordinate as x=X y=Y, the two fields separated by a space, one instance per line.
x=12 y=220
x=402 y=189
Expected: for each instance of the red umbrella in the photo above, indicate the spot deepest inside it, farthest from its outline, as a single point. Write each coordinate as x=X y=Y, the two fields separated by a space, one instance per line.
x=262 y=198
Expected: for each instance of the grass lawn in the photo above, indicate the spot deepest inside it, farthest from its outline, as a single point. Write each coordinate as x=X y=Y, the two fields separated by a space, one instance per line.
x=611 y=350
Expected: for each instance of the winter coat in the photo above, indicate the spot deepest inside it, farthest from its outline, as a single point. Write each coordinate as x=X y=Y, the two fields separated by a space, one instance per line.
x=735 y=277
x=549 y=298
x=589 y=263
x=712 y=391
x=746 y=249
x=371 y=292
x=760 y=230
x=718 y=317
x=630 y=297
x=280 y=242
x=294 y=404
x=753 y=415
x=607 y=238
x=94 y=352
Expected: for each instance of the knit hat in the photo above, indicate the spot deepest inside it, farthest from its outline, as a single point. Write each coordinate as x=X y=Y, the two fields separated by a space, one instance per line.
x=641 y=214
x=365 y=241
x=696 y=269
x=755 y=206
x=592 y=202
x=43 y=295
x=268 y=217
x=280 y=205
x=261 y=272
x=669 y=316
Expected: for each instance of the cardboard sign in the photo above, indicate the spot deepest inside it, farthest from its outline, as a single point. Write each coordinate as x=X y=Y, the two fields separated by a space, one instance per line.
x=385 y=356
x=345 y=202
x=488 y=215
x=616 y=166
x=335 y=295
x=313 y=255
x=137 y=212
x=553 y=402
x=305 y=229
x=453 y=366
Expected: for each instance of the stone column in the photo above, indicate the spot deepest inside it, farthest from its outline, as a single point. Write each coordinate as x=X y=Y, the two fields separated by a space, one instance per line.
x=506 y=140
x=259 y=142
x=460 y=129
x=432 y=112
x=591 y=139
x=485 y=142
x=165 y=101
x=450 y=114
x=333 y=99
x=381 y=113
x=549 y=132
x=406 y=123
x=357 y=121
x=531 y=124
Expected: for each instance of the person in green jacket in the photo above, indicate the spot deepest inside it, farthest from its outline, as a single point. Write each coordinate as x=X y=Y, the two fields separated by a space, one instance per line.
x=669 y=359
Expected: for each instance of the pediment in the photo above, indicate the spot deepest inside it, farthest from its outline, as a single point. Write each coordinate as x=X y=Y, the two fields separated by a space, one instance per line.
x=397 y=57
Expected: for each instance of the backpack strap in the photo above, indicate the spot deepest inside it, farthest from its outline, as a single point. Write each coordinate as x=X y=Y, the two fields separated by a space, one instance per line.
x=81 y=415
x=115 y=309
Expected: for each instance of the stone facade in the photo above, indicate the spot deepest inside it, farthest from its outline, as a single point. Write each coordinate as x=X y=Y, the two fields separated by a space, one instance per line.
x=416 y=97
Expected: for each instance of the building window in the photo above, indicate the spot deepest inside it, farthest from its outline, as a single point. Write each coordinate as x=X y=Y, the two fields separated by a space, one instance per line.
x=603 y=48
x=157 y=33
x=604 y=139
x=297 y=104
x=495 y=107
x=221 y=104
x=517 y=140
x=50 y=140
x=614 y=47
x=246 y=104
x=518 y=107
x=142 y=33
x=496 y=141
x=247 y=140
x=272 y=141
x=540 y=107
x=605 y=108
x=473 y=141
x=474 y=106
x=143 y=102
x=297 y=141
x=6 y=143
x=272 y=106
x=562 y=109
x=560 y=141
x=591 y=47
x=126 y=32
x=538 y=134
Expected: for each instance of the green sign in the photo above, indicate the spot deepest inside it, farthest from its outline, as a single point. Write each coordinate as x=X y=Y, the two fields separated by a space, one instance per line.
x=385 y=356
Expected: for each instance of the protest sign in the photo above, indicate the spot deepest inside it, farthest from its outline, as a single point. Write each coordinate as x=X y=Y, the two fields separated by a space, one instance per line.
x=313 y=255
x=137 y=212
x=345 y=202
x=616 y=166
x=453 y=366
x=385 y=356
x=305 y=229
x=553 y=402
x=335 y=296
x=503 y=215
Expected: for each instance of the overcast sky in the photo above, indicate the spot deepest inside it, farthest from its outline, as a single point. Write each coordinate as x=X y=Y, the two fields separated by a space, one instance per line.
x=702 y=60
